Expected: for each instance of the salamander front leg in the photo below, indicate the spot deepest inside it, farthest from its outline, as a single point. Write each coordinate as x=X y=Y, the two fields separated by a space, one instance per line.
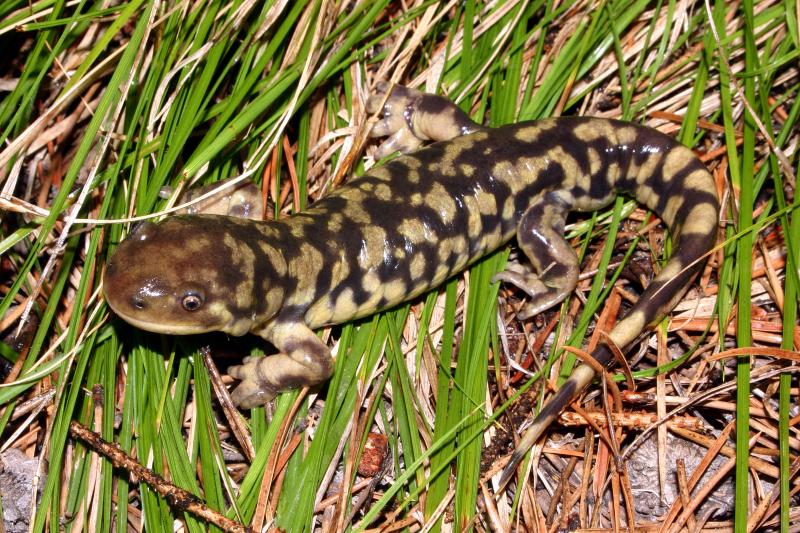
x=411 y=117
x=304 y=361
x=242 y=200
x=540 y=234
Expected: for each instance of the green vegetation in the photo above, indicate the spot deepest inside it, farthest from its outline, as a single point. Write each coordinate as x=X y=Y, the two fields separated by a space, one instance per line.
x=104 y=103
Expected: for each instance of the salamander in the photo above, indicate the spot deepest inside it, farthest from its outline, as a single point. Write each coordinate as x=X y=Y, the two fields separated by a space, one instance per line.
x=407 y=226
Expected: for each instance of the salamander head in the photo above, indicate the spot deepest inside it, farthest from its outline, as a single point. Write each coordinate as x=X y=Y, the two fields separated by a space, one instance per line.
x=194 y=274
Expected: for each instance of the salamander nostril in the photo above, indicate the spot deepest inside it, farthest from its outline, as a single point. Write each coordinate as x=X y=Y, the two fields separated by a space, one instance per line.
x=138 y=302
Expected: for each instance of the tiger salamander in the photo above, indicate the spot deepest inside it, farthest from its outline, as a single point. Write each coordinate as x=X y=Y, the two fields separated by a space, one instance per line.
x=407 y=226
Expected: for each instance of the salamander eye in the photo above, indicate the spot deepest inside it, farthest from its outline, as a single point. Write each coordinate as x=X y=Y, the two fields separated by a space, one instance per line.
x=192 y=301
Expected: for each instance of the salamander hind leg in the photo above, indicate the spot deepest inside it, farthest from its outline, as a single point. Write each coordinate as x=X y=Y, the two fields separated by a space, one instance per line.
x=304 y=361
x=411 y=117
x=540 y=234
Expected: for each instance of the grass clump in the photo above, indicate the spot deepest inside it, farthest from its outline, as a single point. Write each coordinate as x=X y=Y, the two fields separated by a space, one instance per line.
x=104 y=104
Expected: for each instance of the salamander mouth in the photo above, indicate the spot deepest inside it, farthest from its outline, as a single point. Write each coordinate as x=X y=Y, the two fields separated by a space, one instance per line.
x=162 y=326
x=156 y=324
